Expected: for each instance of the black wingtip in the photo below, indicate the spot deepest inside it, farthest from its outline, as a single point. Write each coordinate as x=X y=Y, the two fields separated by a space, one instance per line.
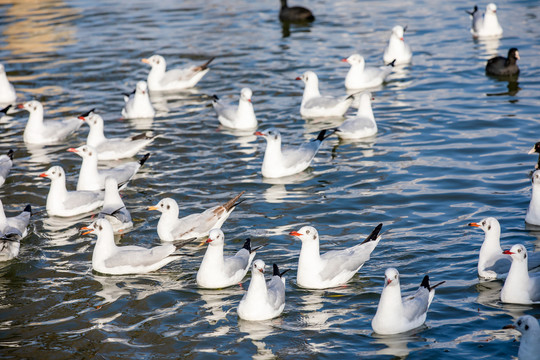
x=276 y=270
x=247 y=245
x=425 y=282
x=143 y=159
x=215 y=98
x=6 y=109
x=28 y=208
x=374 y=234
x=323 y=134
x=393 y=63
x=86 y=114
x=10 y=154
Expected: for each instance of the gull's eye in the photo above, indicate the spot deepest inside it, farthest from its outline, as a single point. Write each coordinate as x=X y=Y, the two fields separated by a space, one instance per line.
x=519 y=250
x=519 y=323
x=307 y=231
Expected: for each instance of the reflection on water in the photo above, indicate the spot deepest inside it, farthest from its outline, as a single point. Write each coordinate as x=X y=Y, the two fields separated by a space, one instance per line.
x=396 y=345
x=489 y=45
x=257 y=331
x=218 y=303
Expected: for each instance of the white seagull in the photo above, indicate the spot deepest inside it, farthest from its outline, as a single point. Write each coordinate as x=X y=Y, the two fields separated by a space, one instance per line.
x=241 y=117
x=362 y=125
x=217 y=271
x=315 y=105
x=108 y=258
x=520 y=287
x=92 y=179
x=6 y=162
x=7 y=91
x=42 y=132
x=486 y=26
x=138 y=104
x=284 y=161
x=112 y=148
x=61 y=202
x=362 y=77
x=114 y=209
x=171 y=228
x=397 y=49
x=263 y=300
x=12 y=230
x=334 y=268
x=529 y=348
x=159 y=79
x=533 y=212
x=396 y=314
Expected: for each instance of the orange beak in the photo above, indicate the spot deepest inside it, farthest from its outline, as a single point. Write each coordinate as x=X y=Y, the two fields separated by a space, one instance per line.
x=146 y=61
x=43 y=175
x=86 y=228
x=20 y=106
x=153 y=208
x=298 y=78
x=343 y=60
x=474 y=224
x=73 y=150
x=258 y=133
x=295 y=233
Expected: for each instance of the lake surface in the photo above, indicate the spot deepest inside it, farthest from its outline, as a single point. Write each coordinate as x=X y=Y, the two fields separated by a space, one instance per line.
x=451 y=149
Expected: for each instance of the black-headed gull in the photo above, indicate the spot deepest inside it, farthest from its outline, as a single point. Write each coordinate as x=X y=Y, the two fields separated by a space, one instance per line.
x=6 y=162
x=7 y=91
x=171 y=228
x=217 y=271
x=504 y=66
x=536 y=150
x=529 y=347
x=64 y=203
x=42 y=132
x=263 y=300
x=138 y=104
x=283 y=161
x=333 y=268
x=315 y=105
x=520 y=287
x=533 y=212
x=114 y=209
x=397 y=49
x=485 y=26
x=492 y=263
x=362 y=125
x=241 y=117
x=295 y=14
x=396 y=314
x=92 y=179
x=12 y=230
x=362 y=77
x=108 y=258
x=112 y=148
x=159 y=79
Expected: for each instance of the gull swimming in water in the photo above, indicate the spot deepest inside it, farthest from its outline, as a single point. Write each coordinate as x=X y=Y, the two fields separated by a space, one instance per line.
x=241 y=117
x=12 y=231
x=7 y=91
x=529 y=347
x=361 y=77
x=6 y=162
x=397 y=49
x=520 y=287
x=362 y=125
x=138 y=104
x=114 y=209
x=315 y=105
x=486 y=26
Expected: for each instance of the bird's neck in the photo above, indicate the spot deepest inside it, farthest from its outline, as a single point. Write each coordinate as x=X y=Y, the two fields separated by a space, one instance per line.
x=491 y=21
x=390 y=302
x=57 y=192
x=535 y=197
x=112 y=198
x=213 y=257
x=3 y=219
x=518 y=274
x=272 y=154
x=95 y=136
x=89 y=169
x=257 y=288
x=156 y=74
x=35 y=120
x=309 y=254
x=311 y=91
x=245 y=108
x=365 y=110
x=491 y=244
x=105 y=247
x=396 y=42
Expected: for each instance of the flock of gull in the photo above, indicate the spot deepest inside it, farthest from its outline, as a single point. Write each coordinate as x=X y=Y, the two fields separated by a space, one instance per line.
x=98 y=188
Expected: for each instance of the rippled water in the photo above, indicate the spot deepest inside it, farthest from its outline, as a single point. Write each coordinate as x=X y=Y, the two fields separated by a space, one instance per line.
x=451 y=149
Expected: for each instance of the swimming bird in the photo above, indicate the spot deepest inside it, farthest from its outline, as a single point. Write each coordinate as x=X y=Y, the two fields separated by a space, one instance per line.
x=263 y=300
x=7 y=91
x=173 y=80
x=93 y=179
x=171 y=228
x=362 y=77
x=504 y=66
x=529 y=347
x=536 y=149
x=12 y=230
x=520 y=287
x=485 y=26
x=333 y=268
x=396 y=314
x=397 y=49
x=108 y=258
x=42 y=132
x=6 y=162
x=64 y=203
x=315 y=105
x=295 y=14
x=279 y=162
x=362 y=125
x=217 y=271
x=113 y=148
x=533 y=212
x=138 y=104
x=114 y=209
x=240 y=117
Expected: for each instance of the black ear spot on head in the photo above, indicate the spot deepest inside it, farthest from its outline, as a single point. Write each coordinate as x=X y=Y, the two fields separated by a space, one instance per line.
x=489 y=227
x=314 y=237
x=168 y=207
x=100 y=227
x=525 y=256
x=90 y=153
x=526 y=327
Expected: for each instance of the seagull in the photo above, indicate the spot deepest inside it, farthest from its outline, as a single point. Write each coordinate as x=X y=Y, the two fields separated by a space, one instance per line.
x=361 y=77
x=113 y=148
x=396 y=314
x=315 y=105
x=333 y=268
x=362 y=125
x=504 y=66
x=520 y=287
x=397 y=49
x=7 y=91
x=114 y=209
x=217 y=271
x=12 y=230
x=533 y=212
x=241 y=117
x=6 y=162
x=295 y=14
x=529 y=348
x=61 y=202
x=138 y=104
x=42 y=132
x=279 y=162
x=536 y=149
x=492 y=263
x=92 y=179
x=108 y=258
x=171 y=228
x=486 y=26
x=173 y=80
x=263 y=300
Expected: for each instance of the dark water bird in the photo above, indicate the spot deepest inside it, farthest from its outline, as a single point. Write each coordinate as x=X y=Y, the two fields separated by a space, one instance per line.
x=295 y=14
x=504 y=66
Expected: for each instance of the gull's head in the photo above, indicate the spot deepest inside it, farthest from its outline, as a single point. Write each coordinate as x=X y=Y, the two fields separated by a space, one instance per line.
x=527 y=325
x=518 y=252
x=166 y=206
x=491 y=8
x=215 y=238
x=271 y=134
x=306 y=233
x=489 y=225
x=309 y=77
x=141 y=88
x=97 y=227
x=535 y=178
x=398 y=32
x=354 y=59
x=31 y=106
x=391 y=277
x=54 y=173
x=85 y=151
x=245 y=94
x=155 y=61
x=258 y=267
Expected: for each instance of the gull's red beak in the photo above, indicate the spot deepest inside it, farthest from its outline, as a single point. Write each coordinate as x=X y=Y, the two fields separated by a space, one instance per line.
x=295 y=233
